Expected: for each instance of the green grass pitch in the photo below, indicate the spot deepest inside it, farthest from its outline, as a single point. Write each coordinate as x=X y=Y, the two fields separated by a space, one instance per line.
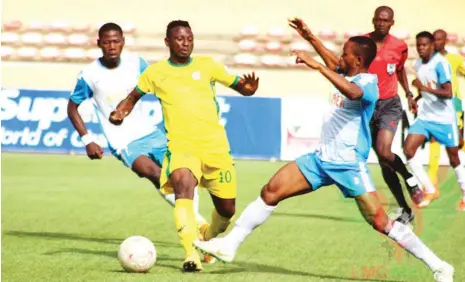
x=63 y=218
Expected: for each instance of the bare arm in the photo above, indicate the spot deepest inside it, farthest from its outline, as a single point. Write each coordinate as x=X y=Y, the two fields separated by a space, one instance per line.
x=125 y=107
x=348 y=89
x=76 y=118
x=330 y=59
x=444 y=92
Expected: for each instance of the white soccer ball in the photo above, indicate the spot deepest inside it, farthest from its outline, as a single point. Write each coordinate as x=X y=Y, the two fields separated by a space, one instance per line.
x=137 y=254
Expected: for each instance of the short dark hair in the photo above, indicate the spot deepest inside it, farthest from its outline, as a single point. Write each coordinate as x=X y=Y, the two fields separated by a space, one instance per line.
x=365 y=47
x=384 y=8
x=107 y=27
x=425 y=34
x=174 y=24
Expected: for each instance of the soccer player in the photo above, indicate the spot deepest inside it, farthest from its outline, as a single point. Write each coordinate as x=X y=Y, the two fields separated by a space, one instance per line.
x=138 y=144
x=458 y=67
x=436 y=115
x=198 y=148
x=388 y=66
x=344 y=146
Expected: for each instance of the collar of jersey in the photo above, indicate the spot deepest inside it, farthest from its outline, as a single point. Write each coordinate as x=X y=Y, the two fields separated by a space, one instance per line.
x=180 y=66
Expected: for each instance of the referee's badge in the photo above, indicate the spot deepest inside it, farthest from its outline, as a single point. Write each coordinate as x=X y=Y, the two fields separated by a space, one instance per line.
x=391 y=68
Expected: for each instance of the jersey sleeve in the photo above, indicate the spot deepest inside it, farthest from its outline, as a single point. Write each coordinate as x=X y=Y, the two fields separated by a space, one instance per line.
x=369 y=86
x=146 y=83
x=403 y=57
x=82 y=90
x=142 y=65
x=443 y=71
x=222 y=75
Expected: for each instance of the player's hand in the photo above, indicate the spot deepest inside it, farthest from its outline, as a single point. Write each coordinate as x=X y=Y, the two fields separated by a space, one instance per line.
x=417 y=84
x=94 y=151
x=116 y=117
x=300 y=26
x=249 y=84
x=305 y=58
x=412 y=105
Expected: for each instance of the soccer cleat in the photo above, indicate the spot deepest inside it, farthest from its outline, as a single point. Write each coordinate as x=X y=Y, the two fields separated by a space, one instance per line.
x=192 y=263
x=405 y=217
x=215 y=247
x=428 y=198
x=416 y=194
x=202 y=230
x=444 y=274
x=461 y=206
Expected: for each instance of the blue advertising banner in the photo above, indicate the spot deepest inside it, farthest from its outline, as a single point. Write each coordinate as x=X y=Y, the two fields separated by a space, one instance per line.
x=37 y=121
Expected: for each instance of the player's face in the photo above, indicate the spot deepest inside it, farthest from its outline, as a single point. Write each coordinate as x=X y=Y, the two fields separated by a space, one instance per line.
x=111 y=43
x=348 y=60
x=181 y=42
x=382 y=22
x=439 y=41
x=425 y=47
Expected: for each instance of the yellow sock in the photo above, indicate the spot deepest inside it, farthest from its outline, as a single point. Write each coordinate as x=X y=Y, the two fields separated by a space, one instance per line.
x=434 y=155
x=185 y=224
x=218 y=225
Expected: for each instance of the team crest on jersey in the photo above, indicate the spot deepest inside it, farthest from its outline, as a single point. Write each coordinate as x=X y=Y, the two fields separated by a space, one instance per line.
x=391 y=68
x=196 y=75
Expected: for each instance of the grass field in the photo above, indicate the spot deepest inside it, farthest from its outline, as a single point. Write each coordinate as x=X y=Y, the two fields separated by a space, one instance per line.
x=63 y=218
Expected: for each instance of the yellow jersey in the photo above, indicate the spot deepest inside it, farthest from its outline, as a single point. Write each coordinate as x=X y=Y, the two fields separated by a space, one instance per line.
x=188 y=99
x=457 y=67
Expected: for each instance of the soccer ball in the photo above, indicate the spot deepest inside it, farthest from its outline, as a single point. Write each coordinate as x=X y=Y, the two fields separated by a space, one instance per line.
x=137 y=254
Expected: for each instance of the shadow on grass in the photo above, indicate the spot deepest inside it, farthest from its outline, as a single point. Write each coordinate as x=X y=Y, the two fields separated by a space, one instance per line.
x=78 y=237
x=319 y=216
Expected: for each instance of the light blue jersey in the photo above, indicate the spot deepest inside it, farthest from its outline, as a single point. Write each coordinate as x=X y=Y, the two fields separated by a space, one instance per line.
x=345 y=142
x=345 y=135
x=107 y=88
x=435 y=72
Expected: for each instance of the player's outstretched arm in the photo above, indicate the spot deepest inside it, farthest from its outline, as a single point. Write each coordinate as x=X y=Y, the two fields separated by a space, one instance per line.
x=445 y=91
x=330 y=59
x=247 y=85
x=94 y=151
x=348 y=89
x=125 y=107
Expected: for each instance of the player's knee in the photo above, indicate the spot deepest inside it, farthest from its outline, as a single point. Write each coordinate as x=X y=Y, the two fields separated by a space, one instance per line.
x=384 y=152
x=150 y=172
x=454 y=160
x=183 y=183
x=270 y=193
x=227 y=210
x=409 y=152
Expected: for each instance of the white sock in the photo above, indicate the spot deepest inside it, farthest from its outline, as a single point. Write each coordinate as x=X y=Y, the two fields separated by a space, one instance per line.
x=198 y=217
x=253 y=216
x=420 y=174
x=460 y=173
x=405 y=237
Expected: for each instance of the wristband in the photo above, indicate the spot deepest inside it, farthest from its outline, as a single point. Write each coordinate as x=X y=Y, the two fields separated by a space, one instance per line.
x=409 y=94
x=87 y=139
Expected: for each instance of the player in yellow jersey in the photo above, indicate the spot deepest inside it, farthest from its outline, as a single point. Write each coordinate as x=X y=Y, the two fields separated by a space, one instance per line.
x=198 y=148
x=458 y=67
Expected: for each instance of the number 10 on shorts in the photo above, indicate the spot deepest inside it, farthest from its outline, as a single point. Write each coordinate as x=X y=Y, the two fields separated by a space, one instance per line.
x=225 y=176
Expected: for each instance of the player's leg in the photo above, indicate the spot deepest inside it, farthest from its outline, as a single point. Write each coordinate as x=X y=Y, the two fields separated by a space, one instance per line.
x=419 y=131
x=452 y=149
x=390 y=113
x=434 y=156
x=291 y=180
x=372 y=211
x=180 y=173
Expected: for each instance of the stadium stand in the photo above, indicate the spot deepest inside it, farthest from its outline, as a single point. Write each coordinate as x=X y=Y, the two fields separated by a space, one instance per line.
x=265 y=44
